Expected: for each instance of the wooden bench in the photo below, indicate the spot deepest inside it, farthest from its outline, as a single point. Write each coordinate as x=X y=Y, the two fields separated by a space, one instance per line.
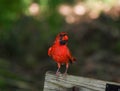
x=76 y=83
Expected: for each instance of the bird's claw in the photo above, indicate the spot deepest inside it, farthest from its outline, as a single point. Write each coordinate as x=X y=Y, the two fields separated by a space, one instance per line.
x=57 y=73
x=65 y=74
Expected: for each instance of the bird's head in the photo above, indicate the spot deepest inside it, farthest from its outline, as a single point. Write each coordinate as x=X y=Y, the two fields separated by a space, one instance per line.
x=62 y=38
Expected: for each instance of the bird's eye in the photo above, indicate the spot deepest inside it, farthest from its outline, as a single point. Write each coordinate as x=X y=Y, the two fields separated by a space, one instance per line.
x=61 y=35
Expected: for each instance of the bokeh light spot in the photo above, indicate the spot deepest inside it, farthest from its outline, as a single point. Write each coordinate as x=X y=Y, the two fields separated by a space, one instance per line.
x=34 y=9
x=79 y=10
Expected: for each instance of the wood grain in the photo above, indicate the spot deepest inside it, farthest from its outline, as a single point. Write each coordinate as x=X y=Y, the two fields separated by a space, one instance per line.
x=73 y=83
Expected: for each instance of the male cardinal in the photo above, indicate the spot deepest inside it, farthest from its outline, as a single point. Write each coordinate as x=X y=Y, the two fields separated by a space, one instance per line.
x=60 y=53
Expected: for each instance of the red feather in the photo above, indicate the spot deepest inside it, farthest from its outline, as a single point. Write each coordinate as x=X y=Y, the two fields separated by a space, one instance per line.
x=60 y=52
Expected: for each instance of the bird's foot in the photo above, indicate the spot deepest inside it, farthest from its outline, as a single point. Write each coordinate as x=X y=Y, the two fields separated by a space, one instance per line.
x=57 y=74
x=65 y=74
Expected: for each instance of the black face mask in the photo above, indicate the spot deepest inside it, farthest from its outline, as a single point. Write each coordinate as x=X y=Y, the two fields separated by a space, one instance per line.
x=63 y=42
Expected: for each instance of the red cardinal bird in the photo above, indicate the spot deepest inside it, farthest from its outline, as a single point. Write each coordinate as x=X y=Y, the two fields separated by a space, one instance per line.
x=60 y=52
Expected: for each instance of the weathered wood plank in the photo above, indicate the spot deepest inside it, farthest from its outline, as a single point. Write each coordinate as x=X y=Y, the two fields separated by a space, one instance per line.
x=62 y=83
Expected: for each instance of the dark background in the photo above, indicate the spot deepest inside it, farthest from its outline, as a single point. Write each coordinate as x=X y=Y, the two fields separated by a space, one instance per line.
x=29 y=27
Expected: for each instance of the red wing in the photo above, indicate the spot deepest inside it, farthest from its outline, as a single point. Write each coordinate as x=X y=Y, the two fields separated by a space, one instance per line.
x=71 y=58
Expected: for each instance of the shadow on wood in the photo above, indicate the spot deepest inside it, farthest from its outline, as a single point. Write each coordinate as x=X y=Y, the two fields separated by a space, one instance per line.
x=74 y=83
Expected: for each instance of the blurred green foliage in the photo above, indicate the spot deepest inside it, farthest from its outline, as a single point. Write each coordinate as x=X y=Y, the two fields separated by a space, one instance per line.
x=25 y=38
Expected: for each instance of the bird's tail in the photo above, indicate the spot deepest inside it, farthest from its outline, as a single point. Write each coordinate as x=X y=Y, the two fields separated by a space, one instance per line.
x=72 y=60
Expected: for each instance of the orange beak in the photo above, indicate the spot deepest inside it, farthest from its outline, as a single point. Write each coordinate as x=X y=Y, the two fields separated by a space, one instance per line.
x=65 y=37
